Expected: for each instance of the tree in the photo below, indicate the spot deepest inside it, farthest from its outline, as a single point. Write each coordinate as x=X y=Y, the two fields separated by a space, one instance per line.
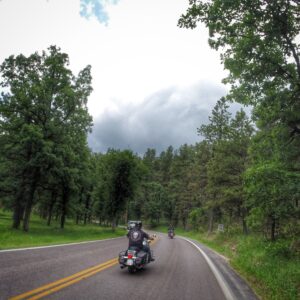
x=184 y=173
x=260 y=49
x=215 y=133
x=218 y=127
x=165 y=161
x=272 y=186
x=155 y=197
x=44 y=122
x=121 y=178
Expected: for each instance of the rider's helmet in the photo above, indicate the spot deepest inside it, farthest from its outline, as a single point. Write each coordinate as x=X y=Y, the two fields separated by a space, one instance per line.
x=139 y=224
x=131 y=225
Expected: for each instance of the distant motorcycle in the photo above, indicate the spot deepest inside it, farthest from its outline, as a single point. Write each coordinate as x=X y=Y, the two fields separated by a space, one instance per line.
x=171 y=234
x=134 y=258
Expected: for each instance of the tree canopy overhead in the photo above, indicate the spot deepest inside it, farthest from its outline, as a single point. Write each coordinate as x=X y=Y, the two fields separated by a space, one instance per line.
x=259 y=45
x=259 y=40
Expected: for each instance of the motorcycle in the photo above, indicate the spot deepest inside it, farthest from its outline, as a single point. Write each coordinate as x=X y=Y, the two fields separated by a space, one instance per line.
x=134 y=258
x=171 y=234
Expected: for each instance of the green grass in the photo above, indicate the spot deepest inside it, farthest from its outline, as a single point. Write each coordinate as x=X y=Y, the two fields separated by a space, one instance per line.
x=40 y=234
x=271 y=268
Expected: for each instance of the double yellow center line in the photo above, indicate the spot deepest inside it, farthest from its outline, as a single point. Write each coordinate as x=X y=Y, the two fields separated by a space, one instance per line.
x=55 y=286
x=64 y=282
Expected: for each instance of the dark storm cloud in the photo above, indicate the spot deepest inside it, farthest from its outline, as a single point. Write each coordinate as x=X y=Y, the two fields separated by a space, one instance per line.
x=168 y=117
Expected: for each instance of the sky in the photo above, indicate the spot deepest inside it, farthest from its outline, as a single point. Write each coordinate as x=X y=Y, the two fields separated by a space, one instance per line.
x=154 y=83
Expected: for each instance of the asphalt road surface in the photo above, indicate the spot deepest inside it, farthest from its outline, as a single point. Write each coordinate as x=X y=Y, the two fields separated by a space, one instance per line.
x=181 y=270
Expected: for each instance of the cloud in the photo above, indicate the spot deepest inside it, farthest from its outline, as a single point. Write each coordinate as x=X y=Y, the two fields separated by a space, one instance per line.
x=167 y=117
x=96 y=8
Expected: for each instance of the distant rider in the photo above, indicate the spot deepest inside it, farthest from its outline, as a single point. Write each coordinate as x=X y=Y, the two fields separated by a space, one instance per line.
x=171 y=228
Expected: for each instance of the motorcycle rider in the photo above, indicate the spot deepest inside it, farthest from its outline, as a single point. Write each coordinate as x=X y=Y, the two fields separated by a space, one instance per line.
x=170 y=228
x=136 y=237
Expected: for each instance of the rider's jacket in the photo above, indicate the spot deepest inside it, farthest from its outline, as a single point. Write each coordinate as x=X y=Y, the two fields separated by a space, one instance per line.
x=136 y=237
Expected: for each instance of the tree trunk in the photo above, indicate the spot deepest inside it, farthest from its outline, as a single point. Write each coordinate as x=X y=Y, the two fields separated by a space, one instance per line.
x=50 y=209
x=126 y=213
x=87 y=206
x=245 y=227
x=62 y=220
x=49 y=216
x=17 y=215
x=113 y=224
x=65 y=199
x=18 y=207
x=184 y=223
x=210 y=220
x=78 y=217
x=29 y=200
x=79 y=212
x=44 y=213
x=27 y=213
x=244 y=223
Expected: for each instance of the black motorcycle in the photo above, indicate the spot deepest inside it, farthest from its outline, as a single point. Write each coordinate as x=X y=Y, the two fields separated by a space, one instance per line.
x=134 y=258
x=171 y=234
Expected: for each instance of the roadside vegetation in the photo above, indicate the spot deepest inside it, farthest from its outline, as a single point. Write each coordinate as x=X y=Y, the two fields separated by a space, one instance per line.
x=271 y=268
x=42 y=235
x=244 y=172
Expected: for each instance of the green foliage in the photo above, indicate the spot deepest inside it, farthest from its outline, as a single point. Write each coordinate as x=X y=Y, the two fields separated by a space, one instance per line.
x=118 y=173
x=259 y=45
x=271 y=194
x=43 y=123
x=229 y=139
x=218 y=127
x=196 y=218
x=41 y=234
x=155 y=199
x=271 y=267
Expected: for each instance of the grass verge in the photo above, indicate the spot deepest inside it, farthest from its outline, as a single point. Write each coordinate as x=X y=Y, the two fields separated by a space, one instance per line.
x=40 y=234
x=271 y=268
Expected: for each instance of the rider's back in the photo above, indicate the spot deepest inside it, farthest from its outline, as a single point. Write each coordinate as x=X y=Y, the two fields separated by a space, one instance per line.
x=136 y=237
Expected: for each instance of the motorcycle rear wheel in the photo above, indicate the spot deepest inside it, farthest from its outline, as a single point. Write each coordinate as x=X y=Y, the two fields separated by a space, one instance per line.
x=131 y=270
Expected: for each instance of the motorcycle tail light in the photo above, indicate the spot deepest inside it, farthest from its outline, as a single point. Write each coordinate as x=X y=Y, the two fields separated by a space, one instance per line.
x=129 y=255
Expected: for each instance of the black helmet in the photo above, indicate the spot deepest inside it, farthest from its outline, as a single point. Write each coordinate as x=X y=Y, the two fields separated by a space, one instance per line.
x=139 y=224
x=131 y=225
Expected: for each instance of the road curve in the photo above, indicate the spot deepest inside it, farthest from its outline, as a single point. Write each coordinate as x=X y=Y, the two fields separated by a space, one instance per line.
x=180 y=271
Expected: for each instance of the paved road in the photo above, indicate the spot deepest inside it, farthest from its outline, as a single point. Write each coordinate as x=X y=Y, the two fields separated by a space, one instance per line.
x=180 y=271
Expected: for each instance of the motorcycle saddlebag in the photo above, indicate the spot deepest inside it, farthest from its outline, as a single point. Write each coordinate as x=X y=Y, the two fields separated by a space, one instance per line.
x=141 y=254
x=121 y=257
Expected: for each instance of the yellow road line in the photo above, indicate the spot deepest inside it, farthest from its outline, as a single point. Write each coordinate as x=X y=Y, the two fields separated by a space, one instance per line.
x=67 y=281
x=63 y=280
x=62 y=286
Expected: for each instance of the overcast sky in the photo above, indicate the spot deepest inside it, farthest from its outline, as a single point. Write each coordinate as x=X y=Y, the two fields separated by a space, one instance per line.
x=154 y=83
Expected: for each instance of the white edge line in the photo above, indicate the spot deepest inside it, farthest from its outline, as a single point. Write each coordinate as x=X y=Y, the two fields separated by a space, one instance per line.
x=59 y=245
x=222 y=283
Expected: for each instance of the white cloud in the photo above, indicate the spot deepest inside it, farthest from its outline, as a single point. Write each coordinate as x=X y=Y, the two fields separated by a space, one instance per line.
x=97 y=9
x=139 y=52
x=167 y=117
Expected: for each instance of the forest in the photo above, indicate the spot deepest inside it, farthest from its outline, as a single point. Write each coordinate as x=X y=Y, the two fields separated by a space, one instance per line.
x=243 y=173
